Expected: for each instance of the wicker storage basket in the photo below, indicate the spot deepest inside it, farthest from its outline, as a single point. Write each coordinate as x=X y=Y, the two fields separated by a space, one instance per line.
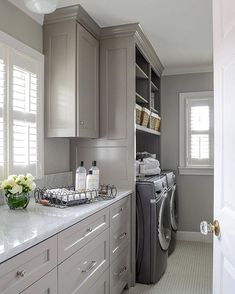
x=138 y=114
x=158 y=124
x=145 y=117
x=153 y=120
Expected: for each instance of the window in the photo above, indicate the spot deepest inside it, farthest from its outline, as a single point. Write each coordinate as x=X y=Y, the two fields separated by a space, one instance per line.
x=21 y=108
x=196 y=133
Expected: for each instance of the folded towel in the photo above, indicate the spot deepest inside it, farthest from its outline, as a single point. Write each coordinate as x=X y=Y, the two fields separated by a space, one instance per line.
x=151 y=163
x=153 y=172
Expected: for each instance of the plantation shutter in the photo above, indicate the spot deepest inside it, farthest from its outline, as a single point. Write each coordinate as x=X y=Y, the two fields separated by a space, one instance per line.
x=25 y=125
x=2 y=110
x=199 y=132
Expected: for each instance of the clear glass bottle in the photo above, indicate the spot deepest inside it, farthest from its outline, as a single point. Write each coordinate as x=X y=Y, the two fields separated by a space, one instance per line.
x=96 y=173
x=80 y=182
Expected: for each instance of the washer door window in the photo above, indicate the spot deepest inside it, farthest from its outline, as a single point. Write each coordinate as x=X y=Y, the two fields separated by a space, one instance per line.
x=164 y=227
x=173 y=209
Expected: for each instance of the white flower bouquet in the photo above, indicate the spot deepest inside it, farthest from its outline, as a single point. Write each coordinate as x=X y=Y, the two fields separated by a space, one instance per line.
x=17 y=190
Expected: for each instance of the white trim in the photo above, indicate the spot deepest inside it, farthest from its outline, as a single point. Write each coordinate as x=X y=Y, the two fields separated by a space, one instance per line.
x=183 y=168
x=39 y=18
x=19 y=46
x=194 y=237
x=197 y=171
x=13 y=45
x=187 y=70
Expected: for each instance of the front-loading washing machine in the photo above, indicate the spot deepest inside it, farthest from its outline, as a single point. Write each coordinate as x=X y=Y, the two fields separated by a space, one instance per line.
x=153 y=232
x=171 y=186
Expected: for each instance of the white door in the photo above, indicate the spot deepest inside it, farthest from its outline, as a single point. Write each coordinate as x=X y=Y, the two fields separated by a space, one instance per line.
x=224 y=178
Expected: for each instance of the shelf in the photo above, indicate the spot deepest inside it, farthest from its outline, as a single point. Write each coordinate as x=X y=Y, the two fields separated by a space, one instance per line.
x=140 y=74
x=140 y=99
x=154 y=87
x=154 y=110
x=147 y=130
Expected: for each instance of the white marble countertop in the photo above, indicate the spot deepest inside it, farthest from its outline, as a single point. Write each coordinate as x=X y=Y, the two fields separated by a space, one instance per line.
x=22 y=229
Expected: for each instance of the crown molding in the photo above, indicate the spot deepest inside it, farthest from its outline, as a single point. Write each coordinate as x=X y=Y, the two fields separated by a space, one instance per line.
x=36 y=17
x=135 y=30
x=187 y=70
x=76 y=13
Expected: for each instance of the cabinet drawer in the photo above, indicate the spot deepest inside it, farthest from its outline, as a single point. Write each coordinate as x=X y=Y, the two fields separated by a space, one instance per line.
x=120 y=227
x=46 y=285
x=119 y=273
x=75 y=237
x=26 y=268
x=80 y=271
x=100 y=287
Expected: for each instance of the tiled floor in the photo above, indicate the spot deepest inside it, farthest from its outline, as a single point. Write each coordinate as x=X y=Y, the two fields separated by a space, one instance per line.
x=189 y=271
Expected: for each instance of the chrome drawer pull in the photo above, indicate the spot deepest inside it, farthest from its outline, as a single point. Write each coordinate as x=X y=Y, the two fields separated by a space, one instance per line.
x=21 y=274
x=91 y=266
x=89 y=230
x=122 y=271
x=118 y=213
x=123 y=235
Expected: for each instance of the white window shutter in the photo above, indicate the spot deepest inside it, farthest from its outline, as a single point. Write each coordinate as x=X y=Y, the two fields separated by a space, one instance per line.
x=3 y=91
x=199 y=137
x=25 y=115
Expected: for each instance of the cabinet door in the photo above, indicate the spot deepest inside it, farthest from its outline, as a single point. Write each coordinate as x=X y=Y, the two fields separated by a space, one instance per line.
x=60 y=79
x=87 y=84
x=46 y=285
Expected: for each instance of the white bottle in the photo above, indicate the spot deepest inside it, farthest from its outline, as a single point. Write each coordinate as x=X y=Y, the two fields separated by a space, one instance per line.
x=91 y=185
x=80 y=183
x=96 y=173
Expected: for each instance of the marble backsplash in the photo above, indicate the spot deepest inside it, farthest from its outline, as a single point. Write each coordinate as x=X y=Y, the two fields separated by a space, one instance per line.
x=52 y=180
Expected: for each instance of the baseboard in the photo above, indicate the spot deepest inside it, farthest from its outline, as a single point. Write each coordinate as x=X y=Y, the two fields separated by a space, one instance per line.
x=194 y=237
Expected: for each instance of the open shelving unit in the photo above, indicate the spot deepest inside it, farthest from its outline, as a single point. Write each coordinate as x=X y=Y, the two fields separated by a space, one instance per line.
x=147 y=130
x=148 y=96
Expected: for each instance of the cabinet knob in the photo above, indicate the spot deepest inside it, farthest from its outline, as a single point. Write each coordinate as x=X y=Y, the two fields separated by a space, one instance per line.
x=82 y=123
x=89 y=230
x=21 y=274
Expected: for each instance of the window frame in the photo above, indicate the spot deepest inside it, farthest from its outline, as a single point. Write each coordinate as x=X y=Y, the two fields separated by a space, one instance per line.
x=184 y=168
x=13 y=45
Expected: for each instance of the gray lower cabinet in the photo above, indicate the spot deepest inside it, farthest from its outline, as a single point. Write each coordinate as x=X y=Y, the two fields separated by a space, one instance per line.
x=71 y=80
x=46 y=285
x=20 y=272
x=119 y=272
x=77 y=274
x=90 y=257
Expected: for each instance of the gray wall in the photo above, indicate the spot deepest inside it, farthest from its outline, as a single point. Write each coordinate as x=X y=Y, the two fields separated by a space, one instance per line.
x=195 y=192
x=17 y=24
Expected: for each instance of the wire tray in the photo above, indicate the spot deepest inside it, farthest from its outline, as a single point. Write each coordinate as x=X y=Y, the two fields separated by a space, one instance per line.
x=63 y=197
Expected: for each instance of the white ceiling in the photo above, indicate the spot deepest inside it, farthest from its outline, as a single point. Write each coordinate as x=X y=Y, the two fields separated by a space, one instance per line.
x=179 y=30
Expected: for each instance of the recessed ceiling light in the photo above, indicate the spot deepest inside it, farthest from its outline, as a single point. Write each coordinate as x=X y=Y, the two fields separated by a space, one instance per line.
x=41 y=6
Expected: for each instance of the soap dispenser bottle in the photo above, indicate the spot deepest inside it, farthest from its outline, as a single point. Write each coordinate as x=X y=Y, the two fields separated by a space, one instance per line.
x=96 y=173
x=80 y=182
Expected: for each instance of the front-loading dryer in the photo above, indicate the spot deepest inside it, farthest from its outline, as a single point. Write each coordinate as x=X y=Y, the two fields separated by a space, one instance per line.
x=153 y=232
x=171 y=186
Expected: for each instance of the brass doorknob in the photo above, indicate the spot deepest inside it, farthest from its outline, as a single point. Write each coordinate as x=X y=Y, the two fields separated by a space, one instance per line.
x=206 y=228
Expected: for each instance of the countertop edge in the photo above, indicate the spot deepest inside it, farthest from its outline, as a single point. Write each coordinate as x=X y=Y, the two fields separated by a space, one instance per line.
x=42 y=237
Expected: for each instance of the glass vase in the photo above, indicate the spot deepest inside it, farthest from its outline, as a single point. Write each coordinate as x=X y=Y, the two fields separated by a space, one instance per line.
x=18 y=201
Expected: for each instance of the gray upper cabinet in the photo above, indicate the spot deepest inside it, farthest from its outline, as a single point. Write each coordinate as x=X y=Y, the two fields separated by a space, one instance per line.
x=71 y=79
x=87 y=84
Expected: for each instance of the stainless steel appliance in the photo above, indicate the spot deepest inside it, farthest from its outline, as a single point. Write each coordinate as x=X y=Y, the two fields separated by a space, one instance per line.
x=153 y=228
x=171 y=186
